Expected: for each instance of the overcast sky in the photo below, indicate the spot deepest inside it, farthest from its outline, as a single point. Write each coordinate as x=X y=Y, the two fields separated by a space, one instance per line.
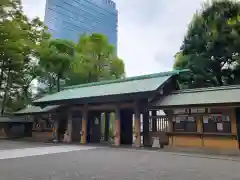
x=150 y=31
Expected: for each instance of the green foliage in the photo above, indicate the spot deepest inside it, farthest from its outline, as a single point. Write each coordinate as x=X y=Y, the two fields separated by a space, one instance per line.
x=56 y=58
x=95 y=60
x=92 y=59
x=211 y=46
x=20 y=41
x=28 y=54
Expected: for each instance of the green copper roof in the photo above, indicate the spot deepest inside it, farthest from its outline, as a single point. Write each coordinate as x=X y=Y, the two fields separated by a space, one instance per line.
x=130 y=85
x=201 y=96
x=36 y=109
x=12 y=119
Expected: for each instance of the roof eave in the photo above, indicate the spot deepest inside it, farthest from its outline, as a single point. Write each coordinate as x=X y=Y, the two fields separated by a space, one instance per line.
x=53 y=109
x=102 y=99
x=206 y=105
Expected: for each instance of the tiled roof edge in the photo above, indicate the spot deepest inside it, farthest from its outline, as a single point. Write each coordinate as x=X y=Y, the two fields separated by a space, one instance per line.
x=148 y=76
x=219 y=88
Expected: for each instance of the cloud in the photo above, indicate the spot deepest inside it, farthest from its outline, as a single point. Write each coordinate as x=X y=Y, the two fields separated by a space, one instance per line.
x=34 y=8
x=149 y=32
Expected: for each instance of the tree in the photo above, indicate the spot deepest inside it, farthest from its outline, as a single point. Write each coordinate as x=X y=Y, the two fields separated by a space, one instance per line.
x=211 y=46
x=20 y=41
x=117 y=68
x=96 y=60
x=56 y=60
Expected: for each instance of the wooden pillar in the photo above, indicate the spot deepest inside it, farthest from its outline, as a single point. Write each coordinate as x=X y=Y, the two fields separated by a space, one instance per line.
x=236 y=114
x=154 y=121
x=69 y=127
x=170 y=127
x=200 y=128
x=137 y=126
x=146 y=135
x=117 y=127
x=170 y=122
x=55 y=130
x=106 y=129
x=199 y=124
x=233 y=120
x=234 y=126
x=84 y=126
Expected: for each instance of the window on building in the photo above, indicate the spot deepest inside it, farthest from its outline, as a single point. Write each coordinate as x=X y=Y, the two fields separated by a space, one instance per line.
x=184 y=123
x=216 y=123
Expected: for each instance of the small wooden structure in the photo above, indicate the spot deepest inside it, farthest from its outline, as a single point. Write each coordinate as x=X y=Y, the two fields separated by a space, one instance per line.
x=204 y=117
x=43 y=121
x=15 y=127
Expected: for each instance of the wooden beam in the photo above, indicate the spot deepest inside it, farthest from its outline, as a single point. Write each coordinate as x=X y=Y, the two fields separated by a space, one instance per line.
x=196 y=106
x=105 y=107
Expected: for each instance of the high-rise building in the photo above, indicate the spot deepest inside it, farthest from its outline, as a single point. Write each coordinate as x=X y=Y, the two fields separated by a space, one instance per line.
x=68 y=19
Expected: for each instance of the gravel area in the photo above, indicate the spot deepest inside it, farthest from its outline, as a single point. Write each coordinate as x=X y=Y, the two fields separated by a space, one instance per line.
x=118 y=164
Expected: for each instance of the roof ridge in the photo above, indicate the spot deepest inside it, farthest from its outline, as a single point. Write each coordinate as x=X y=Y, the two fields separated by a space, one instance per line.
x=207 y=89
x=134 y=78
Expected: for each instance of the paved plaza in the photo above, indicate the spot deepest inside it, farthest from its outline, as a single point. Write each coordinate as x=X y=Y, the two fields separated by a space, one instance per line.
x=32 y=161
x=17 y=144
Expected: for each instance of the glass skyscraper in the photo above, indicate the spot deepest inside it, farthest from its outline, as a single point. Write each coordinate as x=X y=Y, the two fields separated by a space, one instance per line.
x=68 y=19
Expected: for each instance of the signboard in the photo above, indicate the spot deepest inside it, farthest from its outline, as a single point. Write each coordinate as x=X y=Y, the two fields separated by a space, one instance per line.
x=191 y=118
x=180 y=111
x=201 y=110
x=216 y=117
x=180 y=118
x=188 y=111
x=96 y=121
x=197 y=110
x=194 y=110
x=205 y=119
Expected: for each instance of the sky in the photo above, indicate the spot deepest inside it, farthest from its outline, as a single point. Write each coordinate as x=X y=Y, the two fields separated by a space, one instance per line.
x=150 y=32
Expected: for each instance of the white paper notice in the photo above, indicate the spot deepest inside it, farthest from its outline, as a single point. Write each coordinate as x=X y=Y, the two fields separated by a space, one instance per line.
x=220 y=126
x=205 y=119
x=96 y=121
x=191 y=118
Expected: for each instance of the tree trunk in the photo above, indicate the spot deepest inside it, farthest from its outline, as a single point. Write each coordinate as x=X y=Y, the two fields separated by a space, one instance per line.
x=219 y=79
x=58 y=83
x=50 y=83
x=5 y=93
x=2 y=73
x=25 y=92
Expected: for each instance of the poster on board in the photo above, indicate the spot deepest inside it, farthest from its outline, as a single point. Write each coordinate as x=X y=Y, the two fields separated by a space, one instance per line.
x=205 y=119
x=220 y=126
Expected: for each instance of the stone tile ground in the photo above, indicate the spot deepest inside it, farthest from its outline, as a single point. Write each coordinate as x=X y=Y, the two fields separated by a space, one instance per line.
x=17 y=144
x=119 y=164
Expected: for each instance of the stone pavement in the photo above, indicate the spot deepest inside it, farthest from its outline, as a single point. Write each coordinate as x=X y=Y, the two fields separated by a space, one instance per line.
x=17 y=144
x=116 y=164
x=37 y=151
x=203 y=151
